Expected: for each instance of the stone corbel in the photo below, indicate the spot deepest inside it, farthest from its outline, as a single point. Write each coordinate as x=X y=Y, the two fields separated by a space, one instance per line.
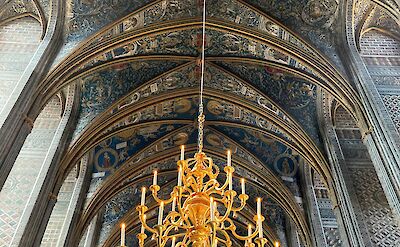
x=365 y=133
x=335 y=206
x=29 y=122
x=53 y=197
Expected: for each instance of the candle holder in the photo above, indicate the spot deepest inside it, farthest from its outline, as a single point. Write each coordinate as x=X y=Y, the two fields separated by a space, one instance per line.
x=261 y=242
x=141 y=237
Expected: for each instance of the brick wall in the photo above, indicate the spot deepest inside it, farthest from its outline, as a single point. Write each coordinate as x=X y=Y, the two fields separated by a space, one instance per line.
x=381 y=54
x=375 y=211
x=378 y=49
x=374 y=43
x=57 y=218
x=343 y=119
x=19 y=40
x=21 y=182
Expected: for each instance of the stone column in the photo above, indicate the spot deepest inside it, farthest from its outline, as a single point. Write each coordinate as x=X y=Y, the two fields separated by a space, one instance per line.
x=91 y=236
x=43 y=198
x=67 y=209
x=345 y=203
x=312 y=207
x=17 y=115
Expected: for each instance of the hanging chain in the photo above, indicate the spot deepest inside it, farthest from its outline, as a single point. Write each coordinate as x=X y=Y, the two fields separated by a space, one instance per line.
x=201 y=117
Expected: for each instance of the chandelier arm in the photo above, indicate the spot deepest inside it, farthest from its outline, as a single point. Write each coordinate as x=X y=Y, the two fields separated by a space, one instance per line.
x=168 y=230
x=154 y=191
x=232 y=229
x=243 y=198
x=179 y=205
x=211 y=184
x=190 y=182
x=224 y=201
x=141 y=237
x=214 y=227
x=142 y=212
x=228 y=207
x=159 y=232
x=260 y=242
x=224 y=186
x=185 y=240
x=227 y=241
x=171 y=219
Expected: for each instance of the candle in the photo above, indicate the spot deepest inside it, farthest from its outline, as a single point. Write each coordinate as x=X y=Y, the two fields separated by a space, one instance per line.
x=142 y=228
x=182 y=152
x=212 y=209
x=173 y=242
x=143 y=196
x=230 y=181
x=229 y=158
x=260 y=232
x=173 y=203
x=155 y=178
x=276 y=244
x=243 y=186
x=123 y=234
x=249 y=230
x=259 y=206
x=180 y=176
x=160 y=213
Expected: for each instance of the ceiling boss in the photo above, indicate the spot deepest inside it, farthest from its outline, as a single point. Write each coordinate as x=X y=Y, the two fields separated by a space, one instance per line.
x=201 y=206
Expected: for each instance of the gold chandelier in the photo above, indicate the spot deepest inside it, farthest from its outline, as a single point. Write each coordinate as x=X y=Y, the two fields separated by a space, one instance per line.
x=197 y=201
x=201 y=206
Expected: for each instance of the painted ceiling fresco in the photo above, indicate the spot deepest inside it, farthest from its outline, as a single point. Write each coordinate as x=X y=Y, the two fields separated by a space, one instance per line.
x=314 y=20
x=295 y=95
x=186 y=43
x=377 y=14
x=10 y=9
x=111 y=153
x=167 y=66
x=230 y=11
x=379 y=18
x=88 y=16
x=103 y=88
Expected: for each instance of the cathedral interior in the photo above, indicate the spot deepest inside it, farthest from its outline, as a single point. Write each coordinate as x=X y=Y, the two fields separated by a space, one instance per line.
x=96 y=94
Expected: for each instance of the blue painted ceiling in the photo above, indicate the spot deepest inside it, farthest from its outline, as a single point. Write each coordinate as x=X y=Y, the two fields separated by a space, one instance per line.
x=118 y=72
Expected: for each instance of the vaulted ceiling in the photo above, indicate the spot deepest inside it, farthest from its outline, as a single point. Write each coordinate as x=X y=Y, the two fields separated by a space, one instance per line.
x=136 y=64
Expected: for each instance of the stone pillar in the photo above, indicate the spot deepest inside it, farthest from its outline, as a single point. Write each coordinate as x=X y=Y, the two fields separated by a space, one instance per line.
x=383 y=143
x=17 y=113
x=43 y=199
x=312 y=207
x=294 y=238
x=345 y=203
x=67 y=209
x=91 y=236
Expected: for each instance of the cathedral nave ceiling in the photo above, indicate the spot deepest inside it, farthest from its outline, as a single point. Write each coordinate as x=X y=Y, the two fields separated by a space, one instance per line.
x=136 y=64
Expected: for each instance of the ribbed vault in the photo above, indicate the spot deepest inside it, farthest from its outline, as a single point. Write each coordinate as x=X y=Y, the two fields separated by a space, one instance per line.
x=139 y=79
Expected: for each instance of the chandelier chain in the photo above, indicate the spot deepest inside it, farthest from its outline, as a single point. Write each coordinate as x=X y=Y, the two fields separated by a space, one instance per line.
x=201 y=117
x=195 y=218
